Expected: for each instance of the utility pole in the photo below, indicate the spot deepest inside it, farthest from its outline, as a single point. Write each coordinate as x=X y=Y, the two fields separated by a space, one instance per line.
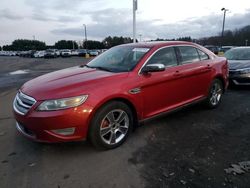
x=134 y=19
x=223 y=25
x=85 y=29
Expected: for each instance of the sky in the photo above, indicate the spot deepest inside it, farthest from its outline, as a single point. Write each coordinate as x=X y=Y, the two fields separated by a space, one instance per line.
x=53 y=20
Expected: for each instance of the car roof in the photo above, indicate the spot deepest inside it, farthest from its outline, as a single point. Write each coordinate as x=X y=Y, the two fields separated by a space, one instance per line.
x=227 y=46
x=242 y=47
x=159 y=44
x=210 y=46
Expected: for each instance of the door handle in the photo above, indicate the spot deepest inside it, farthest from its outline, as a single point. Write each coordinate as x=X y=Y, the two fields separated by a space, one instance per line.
x=208 y=67
x=177 y=74
x=205 y=69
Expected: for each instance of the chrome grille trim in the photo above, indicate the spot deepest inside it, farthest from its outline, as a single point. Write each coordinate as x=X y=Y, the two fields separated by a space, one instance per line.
x=22 y=103
x=27 y=97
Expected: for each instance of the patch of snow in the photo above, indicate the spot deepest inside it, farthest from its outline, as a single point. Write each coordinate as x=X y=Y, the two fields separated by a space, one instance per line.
x=19 y=72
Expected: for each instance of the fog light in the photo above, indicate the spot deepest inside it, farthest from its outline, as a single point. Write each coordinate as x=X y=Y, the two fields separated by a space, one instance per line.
x=64 y=132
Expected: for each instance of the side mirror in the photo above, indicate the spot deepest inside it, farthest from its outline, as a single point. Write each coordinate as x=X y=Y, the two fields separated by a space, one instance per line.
x=153 y=68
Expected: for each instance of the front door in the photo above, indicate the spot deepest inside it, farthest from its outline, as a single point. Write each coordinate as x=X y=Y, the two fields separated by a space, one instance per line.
x=162 y=91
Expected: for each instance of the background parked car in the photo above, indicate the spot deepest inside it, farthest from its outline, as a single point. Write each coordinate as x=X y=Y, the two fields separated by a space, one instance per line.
x=58 y=53
x=239 y=65
x=82 y=52
x=214 y=49
x=23 y=53
x=29 y=53
x=103 y=50
x=50 y=53
x=18 y=53
x=11 y=53
x=65 y=53
x=7 y=53
x=39 y=54
x=74 y=52
x=93 y=52
x=226 y=48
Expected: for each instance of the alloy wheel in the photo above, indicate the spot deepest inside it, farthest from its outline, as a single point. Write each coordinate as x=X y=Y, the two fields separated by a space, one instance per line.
x=216 y=93
x=114 y=126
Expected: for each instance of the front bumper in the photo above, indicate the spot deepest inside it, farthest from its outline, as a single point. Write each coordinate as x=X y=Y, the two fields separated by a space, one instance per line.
x=40 y=126
x=66 y=55
x=239 y=79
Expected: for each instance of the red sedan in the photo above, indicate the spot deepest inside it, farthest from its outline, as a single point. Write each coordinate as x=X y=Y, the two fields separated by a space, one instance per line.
x=105 y=99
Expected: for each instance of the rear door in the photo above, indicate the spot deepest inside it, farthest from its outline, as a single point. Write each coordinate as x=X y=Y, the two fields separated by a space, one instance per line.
x=196 y=68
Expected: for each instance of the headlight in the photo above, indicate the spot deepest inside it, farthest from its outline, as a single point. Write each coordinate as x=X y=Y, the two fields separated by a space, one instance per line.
x=59 y=104
x=244 y=71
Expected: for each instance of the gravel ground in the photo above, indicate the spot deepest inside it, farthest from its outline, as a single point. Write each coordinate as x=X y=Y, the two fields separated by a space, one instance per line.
x=189 y=148
x=192 y=147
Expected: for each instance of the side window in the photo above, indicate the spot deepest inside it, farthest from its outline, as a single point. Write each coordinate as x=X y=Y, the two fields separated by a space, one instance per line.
x=164 y=56
x=203 y=55
x=188 y=54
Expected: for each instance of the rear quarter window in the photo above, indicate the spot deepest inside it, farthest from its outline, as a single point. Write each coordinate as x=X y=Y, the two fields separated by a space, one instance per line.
x=203 y=55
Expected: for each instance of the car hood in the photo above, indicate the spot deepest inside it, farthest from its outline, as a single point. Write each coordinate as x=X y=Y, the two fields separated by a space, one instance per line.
x=69 y=82
x=238 y=64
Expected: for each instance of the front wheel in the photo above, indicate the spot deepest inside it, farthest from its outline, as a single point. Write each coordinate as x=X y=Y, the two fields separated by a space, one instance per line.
x=111 y=125
x=215 y=94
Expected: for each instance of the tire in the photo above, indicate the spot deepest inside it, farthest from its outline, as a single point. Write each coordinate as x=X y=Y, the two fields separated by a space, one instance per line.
x=215 y=94
x=111 y=125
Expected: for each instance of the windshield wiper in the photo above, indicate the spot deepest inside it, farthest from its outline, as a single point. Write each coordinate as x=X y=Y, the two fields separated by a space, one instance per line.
x=85 y=66
x=102 y=68
x=97 y=67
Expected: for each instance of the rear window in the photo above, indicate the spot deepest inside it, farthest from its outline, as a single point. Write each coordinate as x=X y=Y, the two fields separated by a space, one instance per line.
x=188 y=54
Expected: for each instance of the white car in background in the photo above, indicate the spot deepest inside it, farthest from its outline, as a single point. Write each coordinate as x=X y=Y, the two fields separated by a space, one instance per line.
x=7 y=53
x=74 y=53
x=66 y=53
x=58 y=52
x=93 y=52
x=39 y=54
x=2 y=53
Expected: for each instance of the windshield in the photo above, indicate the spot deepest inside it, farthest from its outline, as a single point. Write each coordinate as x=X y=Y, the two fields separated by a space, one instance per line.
x=238 y=54
x=119 y=59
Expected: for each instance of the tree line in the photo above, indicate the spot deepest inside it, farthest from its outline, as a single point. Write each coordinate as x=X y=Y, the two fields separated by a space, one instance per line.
x=238 y=37
x=24 y=44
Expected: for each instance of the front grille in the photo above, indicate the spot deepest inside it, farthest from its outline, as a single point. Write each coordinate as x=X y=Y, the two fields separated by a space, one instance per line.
x=233 y=72
x=23 y=103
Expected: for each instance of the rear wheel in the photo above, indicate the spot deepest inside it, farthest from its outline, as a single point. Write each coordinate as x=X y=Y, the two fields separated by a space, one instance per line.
x=111 y=125
x=215 y=94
